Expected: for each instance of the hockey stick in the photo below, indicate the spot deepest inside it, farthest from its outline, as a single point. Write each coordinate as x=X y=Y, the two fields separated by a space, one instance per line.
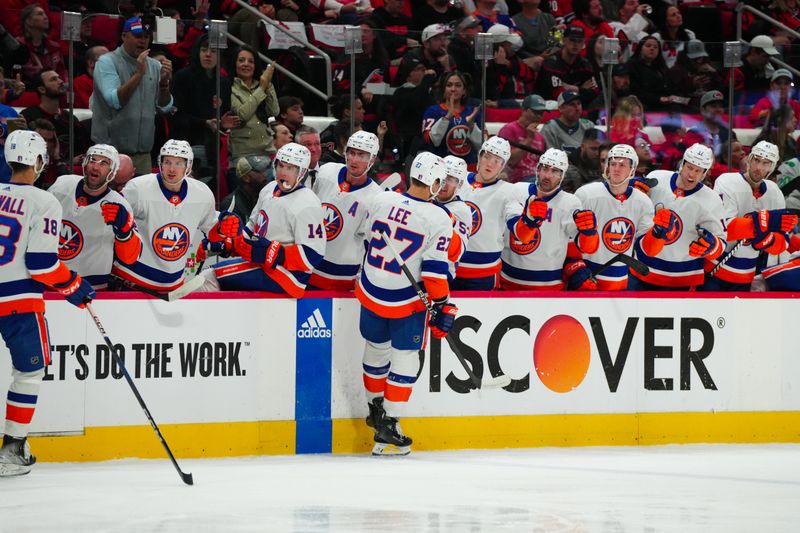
x=391 y=181
x=486 y=383
x=632 y=262
x=185 y=477
x=525 y=147
x=133 y=286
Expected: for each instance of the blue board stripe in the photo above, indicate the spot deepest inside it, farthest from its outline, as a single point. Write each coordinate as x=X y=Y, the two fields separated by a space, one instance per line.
x=314 y=352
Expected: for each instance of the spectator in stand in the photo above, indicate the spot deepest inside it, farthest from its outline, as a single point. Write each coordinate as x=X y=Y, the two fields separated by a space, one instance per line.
x=534 y=26
x=309 y=137
x=453 y=126
x=84 y=84
x=521 y=165
x=346 y=12
x=485 y=12
x=12 y=52
x=628 y=121
x=124 y=173
x=410 y=100
x=672 y=35
x=9 y=121
x=787 y=12
x=752 y=79
x=721 y=163
x=568 y=71
x=713 y=131
x=650 y=78
x=254 y=101
x=10 y=89
x=780 y=93
x=510 y=69
x=196 y=101
x=589 y=17
x=778 y=129
x=340 y=110
x=620 y=88
x=434 y=12
x=631 y=21
x=395 y=27
x=669 y=153
x=566 y=131
x=129 y=87
x=290 y=112
x=164 y=123
x=645 y=153
x=433 y=53
x=462 y=45
x=253 y=173
x=341 y=133
x=43 y=54
x=693 y=74
x=282 y=135
x=584 y=163
x=80 y=48
x=181 y=51
x=246 y=25
x=52 y=90
x=55 y=166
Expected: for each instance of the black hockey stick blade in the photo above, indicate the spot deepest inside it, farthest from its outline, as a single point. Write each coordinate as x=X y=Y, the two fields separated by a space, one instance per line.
x=186 y=477
x=650 y=182
x=133 y=286
x=634 y=264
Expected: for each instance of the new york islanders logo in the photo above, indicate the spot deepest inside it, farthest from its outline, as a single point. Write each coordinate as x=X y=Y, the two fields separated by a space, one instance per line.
x=477 y=218
x=520 y=248
x=458 y=141
x=171 y=241
x=618 y=234
x=262 y=223
x=333 y=221
x=70 y=241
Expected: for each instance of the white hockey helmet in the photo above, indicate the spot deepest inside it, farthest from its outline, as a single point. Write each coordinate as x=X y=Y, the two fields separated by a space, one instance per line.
x=497 y=146
x=699 y=155
x=625 y=151
x=26 y=147
x=429 y=168
x=457 y=168
x=104 y=150
x=297 y=155
x=365 y=141
x=553 y=157
x=768 y=151
x=176 y=148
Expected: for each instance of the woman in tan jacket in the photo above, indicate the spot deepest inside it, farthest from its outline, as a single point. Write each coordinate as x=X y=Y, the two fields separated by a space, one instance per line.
x=254 y=101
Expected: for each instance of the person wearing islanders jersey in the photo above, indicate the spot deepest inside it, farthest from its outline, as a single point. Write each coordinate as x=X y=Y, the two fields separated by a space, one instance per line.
x=285 y=241
x=623 y=213
x=495 y=210
x=29 y=230
x=345 y=192
x=460 y=214
x=687 y=227
x=453 y=127
x=393 y=317
x=565 y=232
x=744 y=195
x=97 y=224
x=169 y=209
x=785 y=275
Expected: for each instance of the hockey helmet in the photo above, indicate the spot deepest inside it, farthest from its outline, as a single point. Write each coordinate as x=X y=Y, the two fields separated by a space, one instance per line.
x=104 y=150
x=625 y=151
x=768 y=151
x=428 y=168
x=26 y=147
x=297 y=155
x=176 y=148
x=497 y=146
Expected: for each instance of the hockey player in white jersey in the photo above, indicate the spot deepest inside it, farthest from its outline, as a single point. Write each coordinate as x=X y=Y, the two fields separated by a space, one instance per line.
x=565 y=232
x=745 y=197
x=623 y=213
x=285 y=240
x=393 y=318
x=688 y=224
x=29 y=230
x=460 y=214
x=170 y=209
x=345 y=192
x=97 y=223
x=495 y=211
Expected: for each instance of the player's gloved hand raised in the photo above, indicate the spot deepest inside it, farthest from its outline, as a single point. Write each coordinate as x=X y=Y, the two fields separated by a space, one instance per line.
x=664 y=223
x=116 y=216
x=442 y=319
x=585 y=221
x=260 y=251
x=534 y=213
x=706 y=245
x=579 y=277
x=230 y=225
x=76 y=290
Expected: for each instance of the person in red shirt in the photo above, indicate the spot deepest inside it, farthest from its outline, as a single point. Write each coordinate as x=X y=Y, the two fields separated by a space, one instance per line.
x=525 y=130
x=589 y=16
x=780 y=87
x=43 y=54
x=84 y=84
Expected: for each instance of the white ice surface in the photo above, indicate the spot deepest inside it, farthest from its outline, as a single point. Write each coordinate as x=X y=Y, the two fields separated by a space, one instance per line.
x=669 y=488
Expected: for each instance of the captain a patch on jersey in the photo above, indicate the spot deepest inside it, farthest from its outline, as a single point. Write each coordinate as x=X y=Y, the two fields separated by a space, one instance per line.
x=171 y=241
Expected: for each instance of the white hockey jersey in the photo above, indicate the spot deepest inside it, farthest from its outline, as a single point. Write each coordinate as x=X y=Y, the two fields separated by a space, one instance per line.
x=700 y=207
x=420 y=232
x=345 y=208
x=539 y=264
x=461 y=216
x=620 y=220
x=86 y=242
x=168 y=223
x=294 y=219
x=495 y=210
x=30 y=221
x=739 y=199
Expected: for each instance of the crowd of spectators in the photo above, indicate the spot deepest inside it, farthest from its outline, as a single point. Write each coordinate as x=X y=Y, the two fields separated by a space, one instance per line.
x=546 y=82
